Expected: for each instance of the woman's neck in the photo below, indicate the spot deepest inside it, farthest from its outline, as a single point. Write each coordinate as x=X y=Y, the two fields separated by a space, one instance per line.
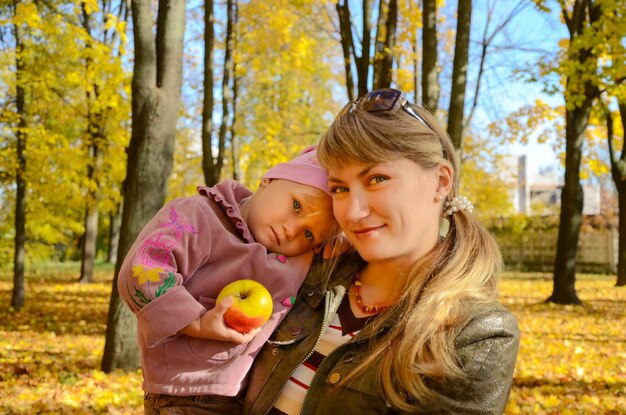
x=386 y=281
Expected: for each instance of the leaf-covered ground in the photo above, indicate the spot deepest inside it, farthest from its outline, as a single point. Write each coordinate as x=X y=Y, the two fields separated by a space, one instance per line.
x=572 y=359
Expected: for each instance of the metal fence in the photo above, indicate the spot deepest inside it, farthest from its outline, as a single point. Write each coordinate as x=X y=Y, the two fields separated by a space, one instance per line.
x=535 y=250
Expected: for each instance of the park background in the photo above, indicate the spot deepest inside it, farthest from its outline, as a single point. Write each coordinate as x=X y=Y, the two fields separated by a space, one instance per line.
x=227 y=94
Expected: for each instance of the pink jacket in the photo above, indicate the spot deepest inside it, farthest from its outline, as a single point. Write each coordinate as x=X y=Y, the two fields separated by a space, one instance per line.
x=174 y=271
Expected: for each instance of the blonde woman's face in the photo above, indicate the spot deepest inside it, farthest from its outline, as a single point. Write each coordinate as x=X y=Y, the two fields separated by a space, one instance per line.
x=389 y=211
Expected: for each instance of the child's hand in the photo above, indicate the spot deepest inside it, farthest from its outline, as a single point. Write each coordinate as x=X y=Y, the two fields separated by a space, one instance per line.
x=211 y=326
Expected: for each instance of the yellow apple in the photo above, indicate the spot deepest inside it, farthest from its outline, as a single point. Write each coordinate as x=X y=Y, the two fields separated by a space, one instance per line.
x=252 y=305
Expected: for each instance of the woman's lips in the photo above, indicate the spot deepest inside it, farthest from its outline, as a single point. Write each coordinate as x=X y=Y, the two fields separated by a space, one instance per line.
x=366 y=231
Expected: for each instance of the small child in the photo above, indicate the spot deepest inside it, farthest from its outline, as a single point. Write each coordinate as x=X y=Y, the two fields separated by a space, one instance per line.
x=194 y=247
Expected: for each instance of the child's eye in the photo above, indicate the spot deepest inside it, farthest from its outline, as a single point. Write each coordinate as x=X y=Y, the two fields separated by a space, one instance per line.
x=297 y=206
x=309 y=235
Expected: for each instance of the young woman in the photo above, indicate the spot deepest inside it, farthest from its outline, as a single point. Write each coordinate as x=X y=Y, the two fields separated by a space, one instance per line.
x=409 y=322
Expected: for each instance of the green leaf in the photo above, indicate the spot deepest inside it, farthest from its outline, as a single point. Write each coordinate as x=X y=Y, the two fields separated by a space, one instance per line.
x=141 y=296
x=167 y=284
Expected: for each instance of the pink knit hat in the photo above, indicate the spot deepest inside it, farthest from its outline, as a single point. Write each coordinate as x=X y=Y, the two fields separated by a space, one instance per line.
x=304 y=169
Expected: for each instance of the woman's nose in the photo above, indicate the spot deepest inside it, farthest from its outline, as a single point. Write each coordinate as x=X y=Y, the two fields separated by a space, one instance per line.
x=357 y=207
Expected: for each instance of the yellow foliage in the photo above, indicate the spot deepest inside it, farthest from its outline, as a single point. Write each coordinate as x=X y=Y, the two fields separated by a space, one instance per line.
x=81 y=77
x=288 y=86
x=26 y=13
x=90 y=6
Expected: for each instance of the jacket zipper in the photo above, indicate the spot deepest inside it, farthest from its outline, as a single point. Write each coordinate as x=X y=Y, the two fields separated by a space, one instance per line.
x=319 y=337
x=354 y=340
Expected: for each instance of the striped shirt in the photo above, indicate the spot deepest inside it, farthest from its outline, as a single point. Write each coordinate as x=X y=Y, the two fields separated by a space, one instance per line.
x=343 y=327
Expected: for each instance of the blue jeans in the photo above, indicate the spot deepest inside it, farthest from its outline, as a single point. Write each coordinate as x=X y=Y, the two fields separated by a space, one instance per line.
x=191 y=405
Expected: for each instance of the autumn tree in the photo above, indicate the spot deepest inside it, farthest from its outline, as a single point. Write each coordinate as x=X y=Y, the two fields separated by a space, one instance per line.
x=618 y=173
x=55 y=167
x=103 y=46
x=430 y=72
x=17 y=298
x=286 y=105
x=354 y=40
x=612 y=74
x=581 y=89
x=385 y=43
x=491 y=29
x=156 y=89
x=208 y=161
x=49 y=162
x=459 y=73
x=227 y=95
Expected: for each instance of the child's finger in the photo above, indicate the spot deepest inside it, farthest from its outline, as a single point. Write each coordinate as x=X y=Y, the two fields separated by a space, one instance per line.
x=224 y=305
x=247 y=337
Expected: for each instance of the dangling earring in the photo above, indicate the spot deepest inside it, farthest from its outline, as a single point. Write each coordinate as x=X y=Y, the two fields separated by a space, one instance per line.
x=444 y=227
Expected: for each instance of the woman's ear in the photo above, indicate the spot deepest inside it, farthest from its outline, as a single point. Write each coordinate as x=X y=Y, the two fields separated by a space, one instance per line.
x=445 y=174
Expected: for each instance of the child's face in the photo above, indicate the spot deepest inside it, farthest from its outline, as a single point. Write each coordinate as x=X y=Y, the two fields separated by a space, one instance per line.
x=289 y=218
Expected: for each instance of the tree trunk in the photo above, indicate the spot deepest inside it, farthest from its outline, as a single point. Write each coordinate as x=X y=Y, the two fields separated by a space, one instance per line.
x=89 y=243
x=363 y=62
x=618 y=172
x=90 y=237
x=416 y=72
x=459 y=74
x=347 y=44
x=17 y=298
x=621 y=256
x=430 y=75
x=156 y=90
x=383 y=58
x=576 y=118
x=115 y=222
x=233 y=135
x=564 y=291
x=94 y=137
x=208 y=162
x=226 y=91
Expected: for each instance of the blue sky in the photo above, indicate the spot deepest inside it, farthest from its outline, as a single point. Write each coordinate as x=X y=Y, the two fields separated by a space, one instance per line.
x=531 y=34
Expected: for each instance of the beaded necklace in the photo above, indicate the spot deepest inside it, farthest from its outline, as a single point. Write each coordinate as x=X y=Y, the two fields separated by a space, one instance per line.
x=369 y=309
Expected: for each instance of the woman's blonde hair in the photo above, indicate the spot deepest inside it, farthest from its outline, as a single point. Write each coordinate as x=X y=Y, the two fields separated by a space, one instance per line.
x=462 y=268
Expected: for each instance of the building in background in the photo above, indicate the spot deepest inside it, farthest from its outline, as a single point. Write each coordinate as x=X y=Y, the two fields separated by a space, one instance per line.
x=539 y=194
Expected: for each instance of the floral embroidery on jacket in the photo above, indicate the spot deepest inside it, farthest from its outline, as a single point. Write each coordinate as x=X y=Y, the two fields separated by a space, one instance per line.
x=144 y=274
x=156 y=252
x=154 y=257
x=178 y=227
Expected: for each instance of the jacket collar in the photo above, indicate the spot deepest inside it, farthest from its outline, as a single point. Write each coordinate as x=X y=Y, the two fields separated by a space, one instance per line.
x=330 y=275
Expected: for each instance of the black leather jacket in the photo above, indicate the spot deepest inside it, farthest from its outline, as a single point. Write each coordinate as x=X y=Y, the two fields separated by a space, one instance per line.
x=487 y=346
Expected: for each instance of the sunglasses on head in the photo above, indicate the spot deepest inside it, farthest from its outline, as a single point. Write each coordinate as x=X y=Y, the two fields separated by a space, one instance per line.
x=387 y=100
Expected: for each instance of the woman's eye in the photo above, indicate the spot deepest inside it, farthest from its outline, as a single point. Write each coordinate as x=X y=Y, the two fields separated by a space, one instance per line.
x=309 y=235
x=297 y=206
x=338 y=189
x=377 y=179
